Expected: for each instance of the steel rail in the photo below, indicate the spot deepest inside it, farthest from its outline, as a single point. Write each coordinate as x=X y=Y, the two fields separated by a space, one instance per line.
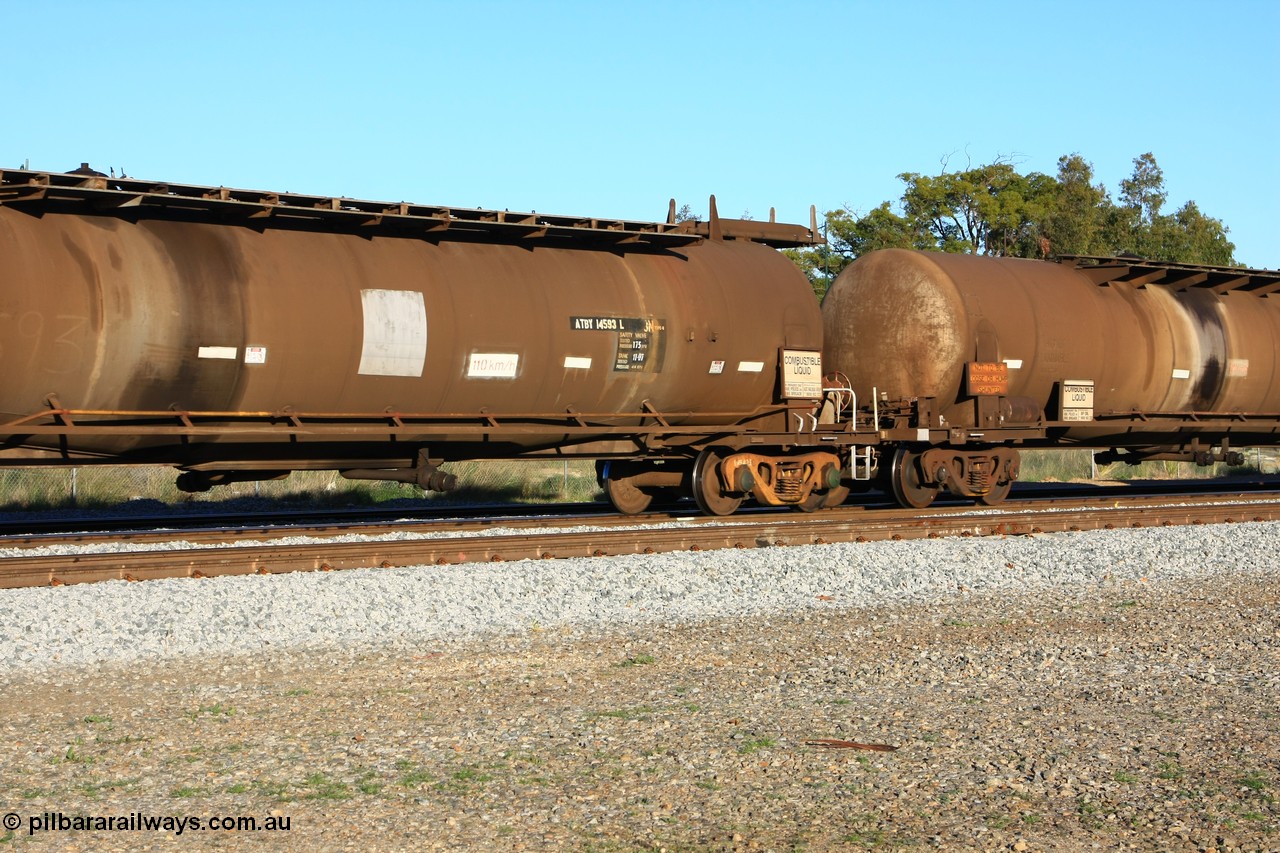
x=218 y=530
x=777 y=530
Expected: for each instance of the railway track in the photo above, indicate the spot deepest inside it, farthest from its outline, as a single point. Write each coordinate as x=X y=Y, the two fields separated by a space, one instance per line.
x=240 y=526
x=219 y=552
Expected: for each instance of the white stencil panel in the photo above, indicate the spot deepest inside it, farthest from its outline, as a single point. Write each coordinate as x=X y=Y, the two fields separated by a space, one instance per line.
x=395 y=333
x=494 y=365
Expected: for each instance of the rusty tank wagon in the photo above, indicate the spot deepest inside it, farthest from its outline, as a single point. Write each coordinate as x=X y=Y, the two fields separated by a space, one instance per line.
x=241 y=334
x=1141 y=360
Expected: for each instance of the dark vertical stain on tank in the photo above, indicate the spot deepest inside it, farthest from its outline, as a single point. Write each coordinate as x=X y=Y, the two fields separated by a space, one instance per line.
x=80 y=256
x=208 y=279
x=1141 y=347
x=986 y=343
x=92 y=282
x=1206 y=313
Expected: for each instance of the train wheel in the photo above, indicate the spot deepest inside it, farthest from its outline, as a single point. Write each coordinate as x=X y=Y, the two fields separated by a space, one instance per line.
x=625 y=497
x=904 y=480
x=997 y=494
x=836 y=496
x=816 y=501
x=706 y=486
x=822 y=500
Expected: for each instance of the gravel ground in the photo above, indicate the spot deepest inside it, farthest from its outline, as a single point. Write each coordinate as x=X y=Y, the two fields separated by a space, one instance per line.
x=1105 y=690
x=122 y=621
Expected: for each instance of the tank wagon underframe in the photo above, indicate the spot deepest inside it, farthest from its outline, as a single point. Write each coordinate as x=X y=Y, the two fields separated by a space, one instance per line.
x=904 y=445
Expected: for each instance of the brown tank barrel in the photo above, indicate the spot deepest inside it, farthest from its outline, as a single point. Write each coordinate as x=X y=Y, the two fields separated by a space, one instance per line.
x=906 y=323
x=107 y=313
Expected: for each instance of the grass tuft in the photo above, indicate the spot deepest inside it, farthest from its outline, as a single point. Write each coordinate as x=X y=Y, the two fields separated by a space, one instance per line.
x=756 y=744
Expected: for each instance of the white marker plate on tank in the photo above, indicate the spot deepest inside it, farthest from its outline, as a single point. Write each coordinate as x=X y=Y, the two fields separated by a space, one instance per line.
x=395 y=333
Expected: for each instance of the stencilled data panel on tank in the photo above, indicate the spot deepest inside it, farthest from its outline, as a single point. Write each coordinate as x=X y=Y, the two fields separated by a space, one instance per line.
x=641 y=341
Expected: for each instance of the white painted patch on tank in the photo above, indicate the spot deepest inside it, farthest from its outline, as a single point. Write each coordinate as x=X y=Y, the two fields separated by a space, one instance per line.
x=395 y=333
x=219 y=352
x=750 y=366
x=1181 y=373
x=576 y=361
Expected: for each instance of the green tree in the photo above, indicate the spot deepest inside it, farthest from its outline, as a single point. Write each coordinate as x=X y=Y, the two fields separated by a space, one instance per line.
x=1144 y=191
x=849 y=236
x=821 y=264
x=881 y=228
x=1138 y=226
x=1130 y=225
x=986 y=210
x=1075 y=211
x=1191 y=237
x=995 y=210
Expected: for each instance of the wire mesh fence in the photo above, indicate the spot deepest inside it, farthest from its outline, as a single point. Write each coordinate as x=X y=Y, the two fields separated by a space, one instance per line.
x=1064 y=466
x=113 y=485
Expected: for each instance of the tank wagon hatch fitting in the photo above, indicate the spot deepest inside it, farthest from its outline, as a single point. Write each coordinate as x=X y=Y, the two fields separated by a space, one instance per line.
x=772 y=233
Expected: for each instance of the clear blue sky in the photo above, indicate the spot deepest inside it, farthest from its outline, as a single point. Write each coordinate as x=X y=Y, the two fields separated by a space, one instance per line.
x=608 y=108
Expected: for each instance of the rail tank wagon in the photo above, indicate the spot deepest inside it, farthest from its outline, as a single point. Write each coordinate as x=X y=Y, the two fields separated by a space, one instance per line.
x=1167 y=360
x=287 y=332
x=240 y=334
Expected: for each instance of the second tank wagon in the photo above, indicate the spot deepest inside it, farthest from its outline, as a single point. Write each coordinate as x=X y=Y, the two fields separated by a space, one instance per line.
x=1140 y=359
